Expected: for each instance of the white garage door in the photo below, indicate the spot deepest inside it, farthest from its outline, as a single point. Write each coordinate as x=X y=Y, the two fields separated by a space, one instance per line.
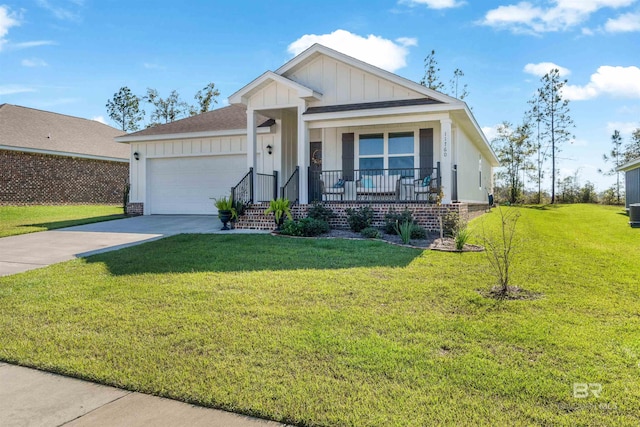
x=185 y=185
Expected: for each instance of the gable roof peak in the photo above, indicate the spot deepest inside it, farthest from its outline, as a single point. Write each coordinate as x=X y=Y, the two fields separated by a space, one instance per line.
x=318 y=49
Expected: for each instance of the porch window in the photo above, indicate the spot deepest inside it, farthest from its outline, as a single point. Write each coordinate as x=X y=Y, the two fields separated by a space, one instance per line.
x=393 y=150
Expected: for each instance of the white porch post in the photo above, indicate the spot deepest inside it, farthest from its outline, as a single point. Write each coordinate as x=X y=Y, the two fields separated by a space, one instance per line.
x=251 y=145
x=445 y=159
x=303 y=155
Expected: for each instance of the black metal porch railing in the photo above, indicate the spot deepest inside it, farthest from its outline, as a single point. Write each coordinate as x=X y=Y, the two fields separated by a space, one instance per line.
x=291 y=189
x=266 y=187
x=421 y=185
x=243 y=191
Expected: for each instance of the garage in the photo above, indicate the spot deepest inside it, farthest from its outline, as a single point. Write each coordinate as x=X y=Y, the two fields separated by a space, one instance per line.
x=185 y=185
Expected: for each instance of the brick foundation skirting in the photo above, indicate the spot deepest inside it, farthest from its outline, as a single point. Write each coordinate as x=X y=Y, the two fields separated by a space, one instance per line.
x=426 y=215
x=31 y=178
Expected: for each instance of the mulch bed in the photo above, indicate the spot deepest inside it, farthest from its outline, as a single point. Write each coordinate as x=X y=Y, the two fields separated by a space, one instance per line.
x=432 y=241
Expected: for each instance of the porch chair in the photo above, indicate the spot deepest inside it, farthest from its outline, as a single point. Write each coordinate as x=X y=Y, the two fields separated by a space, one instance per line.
x=426 y=185
x=331 y=190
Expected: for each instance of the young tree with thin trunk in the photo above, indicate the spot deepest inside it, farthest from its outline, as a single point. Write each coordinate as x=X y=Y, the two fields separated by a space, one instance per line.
x=616 y=157
x=458 y=91
x=124 y=109
x=552 y=109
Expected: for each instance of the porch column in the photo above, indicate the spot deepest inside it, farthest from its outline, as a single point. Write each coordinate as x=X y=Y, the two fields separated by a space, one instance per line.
x=251 y=146
x=303 y=154
x=445 y=159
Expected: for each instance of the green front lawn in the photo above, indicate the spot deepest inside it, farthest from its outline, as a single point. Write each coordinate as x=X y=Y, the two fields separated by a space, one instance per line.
x=336 y=332
x=28 y=219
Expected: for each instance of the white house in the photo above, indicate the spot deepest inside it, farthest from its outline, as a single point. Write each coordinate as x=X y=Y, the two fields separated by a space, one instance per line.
x=324 y=126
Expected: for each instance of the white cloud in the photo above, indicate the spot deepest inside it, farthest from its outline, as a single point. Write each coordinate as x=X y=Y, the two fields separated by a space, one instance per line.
x=625 y=128
x=27 y=45
x=384 y=53
x=490 y=132
x=99 y=119
x=557 y=15
x=152 y=66
x=13 y=89
x=542 y=68
x=434 y=4
x=64 y=14
x=617 y=82
x=8 y=19
x=629 y=22
x=33 y=62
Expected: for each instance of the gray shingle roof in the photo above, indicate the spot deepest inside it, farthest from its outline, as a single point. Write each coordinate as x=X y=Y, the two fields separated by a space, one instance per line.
x=371 y=105
x=23 y=127
x=225 y=118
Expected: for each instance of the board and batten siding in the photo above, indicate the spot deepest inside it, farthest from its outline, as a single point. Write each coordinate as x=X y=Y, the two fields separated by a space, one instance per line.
x=632 y=186
x=192 y=147
x=340 y=83
x=274 y=95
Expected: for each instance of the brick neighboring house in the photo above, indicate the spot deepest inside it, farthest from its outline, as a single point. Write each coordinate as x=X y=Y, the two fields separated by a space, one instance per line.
x=51 y=158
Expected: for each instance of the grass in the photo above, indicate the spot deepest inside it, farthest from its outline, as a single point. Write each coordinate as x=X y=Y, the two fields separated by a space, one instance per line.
x=16 y=220
x=335 y=332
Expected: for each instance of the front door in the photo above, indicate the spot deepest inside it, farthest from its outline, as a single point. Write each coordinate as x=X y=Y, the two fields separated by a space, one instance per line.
x=315 y=167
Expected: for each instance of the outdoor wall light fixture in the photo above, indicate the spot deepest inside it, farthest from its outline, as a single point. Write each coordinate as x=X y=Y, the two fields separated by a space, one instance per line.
x=136 y=155
x=269 y=149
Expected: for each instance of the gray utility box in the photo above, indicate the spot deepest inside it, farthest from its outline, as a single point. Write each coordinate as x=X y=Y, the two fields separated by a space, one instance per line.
x=634 y=215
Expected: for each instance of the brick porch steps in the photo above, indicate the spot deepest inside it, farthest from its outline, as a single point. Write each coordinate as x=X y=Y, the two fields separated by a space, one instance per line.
x=255 y=219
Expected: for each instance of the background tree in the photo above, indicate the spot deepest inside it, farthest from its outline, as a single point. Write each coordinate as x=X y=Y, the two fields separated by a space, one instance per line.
x=553 y=112
x=431 y=70
x=166 y=110
x=124 y=109
x=457 y=91
x=614 y=156
x=533 y=115
x=632 y=150
x=514 y=149
x=205 y=98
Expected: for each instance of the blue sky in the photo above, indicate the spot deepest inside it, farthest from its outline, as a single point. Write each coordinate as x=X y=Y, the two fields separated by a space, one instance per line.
x=71 y=56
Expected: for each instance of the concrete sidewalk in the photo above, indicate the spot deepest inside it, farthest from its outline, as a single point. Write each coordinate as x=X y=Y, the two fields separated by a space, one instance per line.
x=29 y=397
x=36 y=250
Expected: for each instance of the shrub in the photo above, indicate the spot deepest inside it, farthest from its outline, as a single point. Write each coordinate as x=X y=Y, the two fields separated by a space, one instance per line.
x=320 y=211
x=371 y=233
x=291 y=228
x=392 y=218
x=359 y=219
x=307 y=227
x=450 y=223
x=312 y=227
x=418 y=232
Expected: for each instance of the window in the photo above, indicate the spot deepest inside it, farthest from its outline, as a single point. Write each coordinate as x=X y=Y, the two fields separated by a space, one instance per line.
x=393 y=150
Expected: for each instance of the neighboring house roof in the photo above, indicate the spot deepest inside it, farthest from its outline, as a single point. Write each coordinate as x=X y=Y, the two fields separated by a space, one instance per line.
x=37 y=131
x=229 y=120
x=630 y=165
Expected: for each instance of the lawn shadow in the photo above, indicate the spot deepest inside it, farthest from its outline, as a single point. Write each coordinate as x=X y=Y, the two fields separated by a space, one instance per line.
x=72 y=222
x=187 y=253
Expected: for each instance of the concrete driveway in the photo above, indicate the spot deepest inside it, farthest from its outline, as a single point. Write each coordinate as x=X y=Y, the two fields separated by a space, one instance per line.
x=35 y=250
